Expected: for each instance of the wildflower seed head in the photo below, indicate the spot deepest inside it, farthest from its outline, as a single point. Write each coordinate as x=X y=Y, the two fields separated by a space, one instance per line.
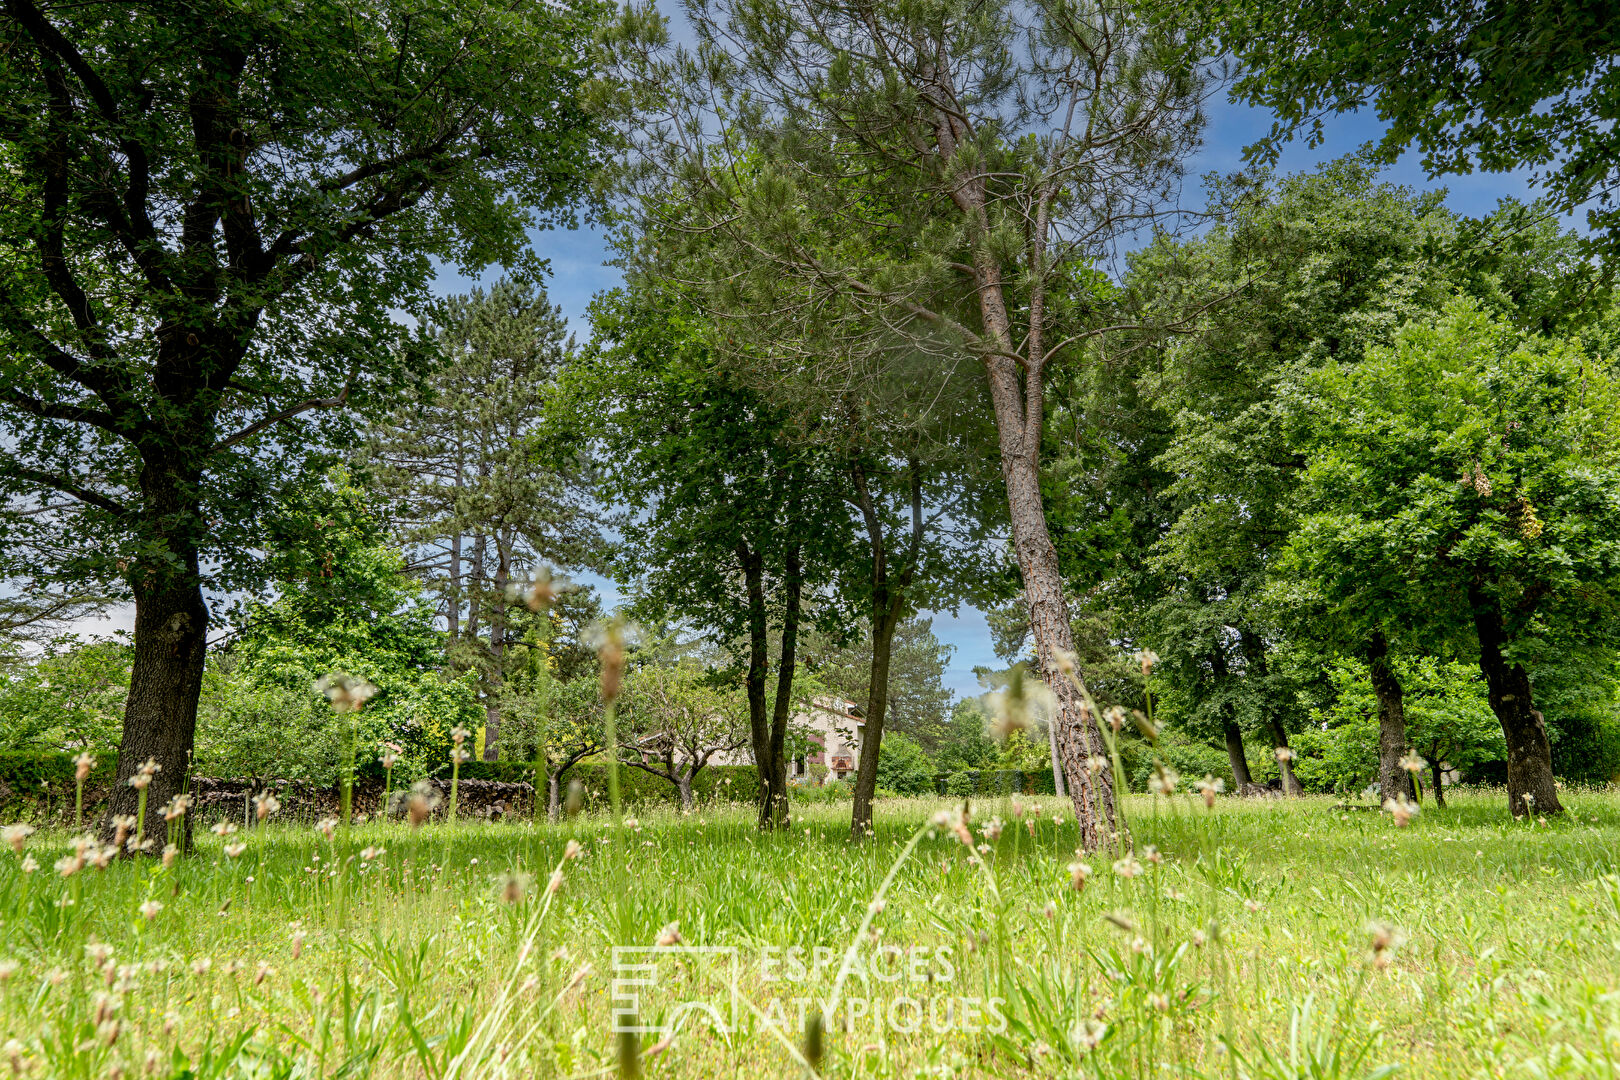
x=669 y=935
x=123 y=825
x=1164 y=779
x=29 y=864
x=327 y=827
x=1122 y=920
x=82 y=766
x=1284 y=755
x=459 y=735
x=1412 y=763
x=556 y=883
x=1115 y=715
x=1079 y=874
x=234 y=850
x=421 y=802
x=345 y=692
x=222 y=828
x=1024 y=704
x=264 y=804
x=1096 y=763
x=1147 y=658
x=571 y=852
x=514 y=887
x=1128 y=867
x=149 y=910
x=17 y=835
x=1402 y=810
x=176 y=807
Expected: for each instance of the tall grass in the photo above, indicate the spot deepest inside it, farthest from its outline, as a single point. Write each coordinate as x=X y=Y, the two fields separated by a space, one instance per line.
x=1248 y=951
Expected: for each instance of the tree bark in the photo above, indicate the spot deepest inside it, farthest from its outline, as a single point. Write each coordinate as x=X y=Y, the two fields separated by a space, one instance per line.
x=497 y=648
x=1078 y=739
x=759 y=720
x=883 y=627
x=1529 y=765
x=888 y=605
x=1235 y=754
x=1438 y=772
x=1254 y=653
x=171 y=640
x=774 y=813
x=1394 y=782
x=683 y=784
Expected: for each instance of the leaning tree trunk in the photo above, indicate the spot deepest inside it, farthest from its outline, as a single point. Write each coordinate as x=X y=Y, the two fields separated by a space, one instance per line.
x=1078 y=736
x=1242 y=780
x=877 y=701
x=1531 y=787
x=165 y=681
x=683 y=784
x=1394 y=782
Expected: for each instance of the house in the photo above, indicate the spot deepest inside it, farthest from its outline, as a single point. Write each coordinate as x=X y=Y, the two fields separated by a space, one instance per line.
x=833 y=725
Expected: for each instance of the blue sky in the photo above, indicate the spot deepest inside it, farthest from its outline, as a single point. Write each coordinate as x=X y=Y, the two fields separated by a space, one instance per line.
x=579 y=272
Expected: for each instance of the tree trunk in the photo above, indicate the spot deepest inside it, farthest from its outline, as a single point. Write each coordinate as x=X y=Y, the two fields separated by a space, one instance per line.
x=160 y=714
x=1254 y=654
x=554 y=798
x=1078 y=739
x=1017 y=397
x=1394 y=782
x=497 y=649
x=759 y=722
x=1439 y=780
x=877 y=700
x=1529 y=765
x=1058 y=787
x=1235 y=754
x=683 y=784
x=1290 y=782
x=774 y=813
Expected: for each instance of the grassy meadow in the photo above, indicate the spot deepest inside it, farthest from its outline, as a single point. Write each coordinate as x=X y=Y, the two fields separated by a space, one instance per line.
x=1274 y=939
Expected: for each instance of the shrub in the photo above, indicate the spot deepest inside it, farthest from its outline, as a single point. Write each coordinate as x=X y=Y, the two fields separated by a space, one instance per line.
x=903 y=766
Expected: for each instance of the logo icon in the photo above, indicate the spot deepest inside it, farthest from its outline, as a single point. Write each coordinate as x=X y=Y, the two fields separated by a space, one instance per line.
x=675 y=981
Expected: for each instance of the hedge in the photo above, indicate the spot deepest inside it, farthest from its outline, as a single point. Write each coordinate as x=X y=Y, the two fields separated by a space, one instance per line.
x=739 y=783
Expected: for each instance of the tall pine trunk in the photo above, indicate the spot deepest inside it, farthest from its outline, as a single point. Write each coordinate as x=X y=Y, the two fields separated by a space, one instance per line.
x=1394 y=782
x=166 y=673
x=1507 y=684
x=1079 y=739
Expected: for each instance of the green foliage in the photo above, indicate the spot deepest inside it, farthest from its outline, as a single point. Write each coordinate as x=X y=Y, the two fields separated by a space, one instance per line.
x=346 y=606
x=903 y=765
x=1447 y=720
x=231 y=226
x=1496 y=87
x=68 y=696
x=1466 y=457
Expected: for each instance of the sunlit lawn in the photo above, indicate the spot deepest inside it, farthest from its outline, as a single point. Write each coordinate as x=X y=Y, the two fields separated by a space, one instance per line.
x=1254 y=934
